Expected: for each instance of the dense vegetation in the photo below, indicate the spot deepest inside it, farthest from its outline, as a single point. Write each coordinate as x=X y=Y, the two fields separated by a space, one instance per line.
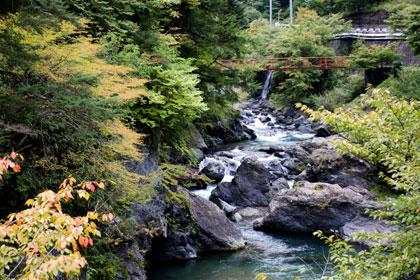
x=83 y=84
x=384 y=131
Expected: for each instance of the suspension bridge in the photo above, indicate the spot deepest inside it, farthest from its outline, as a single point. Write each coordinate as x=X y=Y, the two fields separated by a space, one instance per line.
x=290 y=63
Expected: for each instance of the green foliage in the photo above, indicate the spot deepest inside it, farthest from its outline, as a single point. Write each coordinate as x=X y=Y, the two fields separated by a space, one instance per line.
x=406 y=84
x=346 y=90
x=309 y=37
x=385 y=132
x=374 y=56
x=413 y=31
x=173 y=101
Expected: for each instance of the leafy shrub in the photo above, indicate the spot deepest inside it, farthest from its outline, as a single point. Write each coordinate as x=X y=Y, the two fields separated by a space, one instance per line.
x=384 y=131
x=343 y=93
x=41 y=241
x=406 y=84
x=374 y=56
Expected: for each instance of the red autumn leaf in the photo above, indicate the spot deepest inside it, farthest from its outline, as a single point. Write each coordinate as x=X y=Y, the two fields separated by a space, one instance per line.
x=85 y=242
x=90 y=186
x=13 y=155
x=16 y=168
x=90 y=242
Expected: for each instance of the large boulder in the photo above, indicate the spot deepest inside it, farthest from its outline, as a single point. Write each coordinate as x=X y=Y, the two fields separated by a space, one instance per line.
x=194 y=138
x=329 y=166
x=365 y=225
x=314 y=206
x=215 y=171
x=249 y=187
x=216 y=232
x=232 y=131
x=195 y=226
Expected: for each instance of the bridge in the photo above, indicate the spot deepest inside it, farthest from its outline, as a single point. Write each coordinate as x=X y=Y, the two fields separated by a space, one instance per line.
x=290 y=63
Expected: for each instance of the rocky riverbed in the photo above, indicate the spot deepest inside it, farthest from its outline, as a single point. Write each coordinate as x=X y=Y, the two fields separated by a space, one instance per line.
x=282 y=175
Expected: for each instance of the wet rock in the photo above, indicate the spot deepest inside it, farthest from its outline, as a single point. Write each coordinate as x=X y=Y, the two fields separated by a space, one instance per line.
x=215 y=228
x=364 y=225
x=329 y=166
x=193 y=228
x=196 y=154
x=314 y=206
x=236 y=217
x=278 y=184
x=252 y=213
x=294 y=165
x=306 y=128
x=264 y=119
x=131 y=265
x=290 y=112
x=231 y=132
x=323 y=131
x=249 y=187
x=195 y=139
x=226 y=207
x=215 y=171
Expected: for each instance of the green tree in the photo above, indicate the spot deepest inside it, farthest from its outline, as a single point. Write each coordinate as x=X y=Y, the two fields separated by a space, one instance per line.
x=383 y=131
x=374 y=56
x=309 y=37
x=413 y=31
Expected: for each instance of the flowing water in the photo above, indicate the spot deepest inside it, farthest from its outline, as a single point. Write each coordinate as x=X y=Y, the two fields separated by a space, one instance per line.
x=267 y=84
x=280 y=256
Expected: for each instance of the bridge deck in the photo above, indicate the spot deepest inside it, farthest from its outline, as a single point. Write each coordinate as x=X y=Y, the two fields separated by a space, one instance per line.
x=290 y=63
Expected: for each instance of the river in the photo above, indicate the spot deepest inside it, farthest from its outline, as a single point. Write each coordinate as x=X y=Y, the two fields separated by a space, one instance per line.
x=279 y=255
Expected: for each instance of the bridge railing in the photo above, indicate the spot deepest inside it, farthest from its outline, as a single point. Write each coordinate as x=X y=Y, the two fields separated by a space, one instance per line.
x=290 y=63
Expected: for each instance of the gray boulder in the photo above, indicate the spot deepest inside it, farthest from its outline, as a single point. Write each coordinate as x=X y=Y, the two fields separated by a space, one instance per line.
x=232 y=131
x=215 y=171
x=277 y=185
x=314 y=206
x=365 y=225
x=249 y=187
x=294 y=165
x=195 y=139
x=226 y=207
x=329 y=166
x=217 y=232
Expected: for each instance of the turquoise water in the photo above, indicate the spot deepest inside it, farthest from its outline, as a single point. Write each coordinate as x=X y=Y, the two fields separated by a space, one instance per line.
x=280 y=256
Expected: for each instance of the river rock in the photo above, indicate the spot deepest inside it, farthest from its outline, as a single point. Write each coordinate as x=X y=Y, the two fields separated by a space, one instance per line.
x=215 y=171
x=329 y=166
x=226 y=207
x=231 y=132
x=249 y=187
x=265 y=119
x=216 y=231
x=195 y=139
x=279 y=184
x=314 y=206
x=251 y=213
x=364 y=225
x=323 y=131
x=294 y=165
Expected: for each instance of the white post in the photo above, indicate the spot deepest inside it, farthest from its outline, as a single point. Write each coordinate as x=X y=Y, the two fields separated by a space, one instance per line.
x=271 y=12
x=291 y=12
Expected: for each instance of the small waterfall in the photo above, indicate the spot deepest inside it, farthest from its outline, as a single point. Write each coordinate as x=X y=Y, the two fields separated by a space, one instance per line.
x=267 y=84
